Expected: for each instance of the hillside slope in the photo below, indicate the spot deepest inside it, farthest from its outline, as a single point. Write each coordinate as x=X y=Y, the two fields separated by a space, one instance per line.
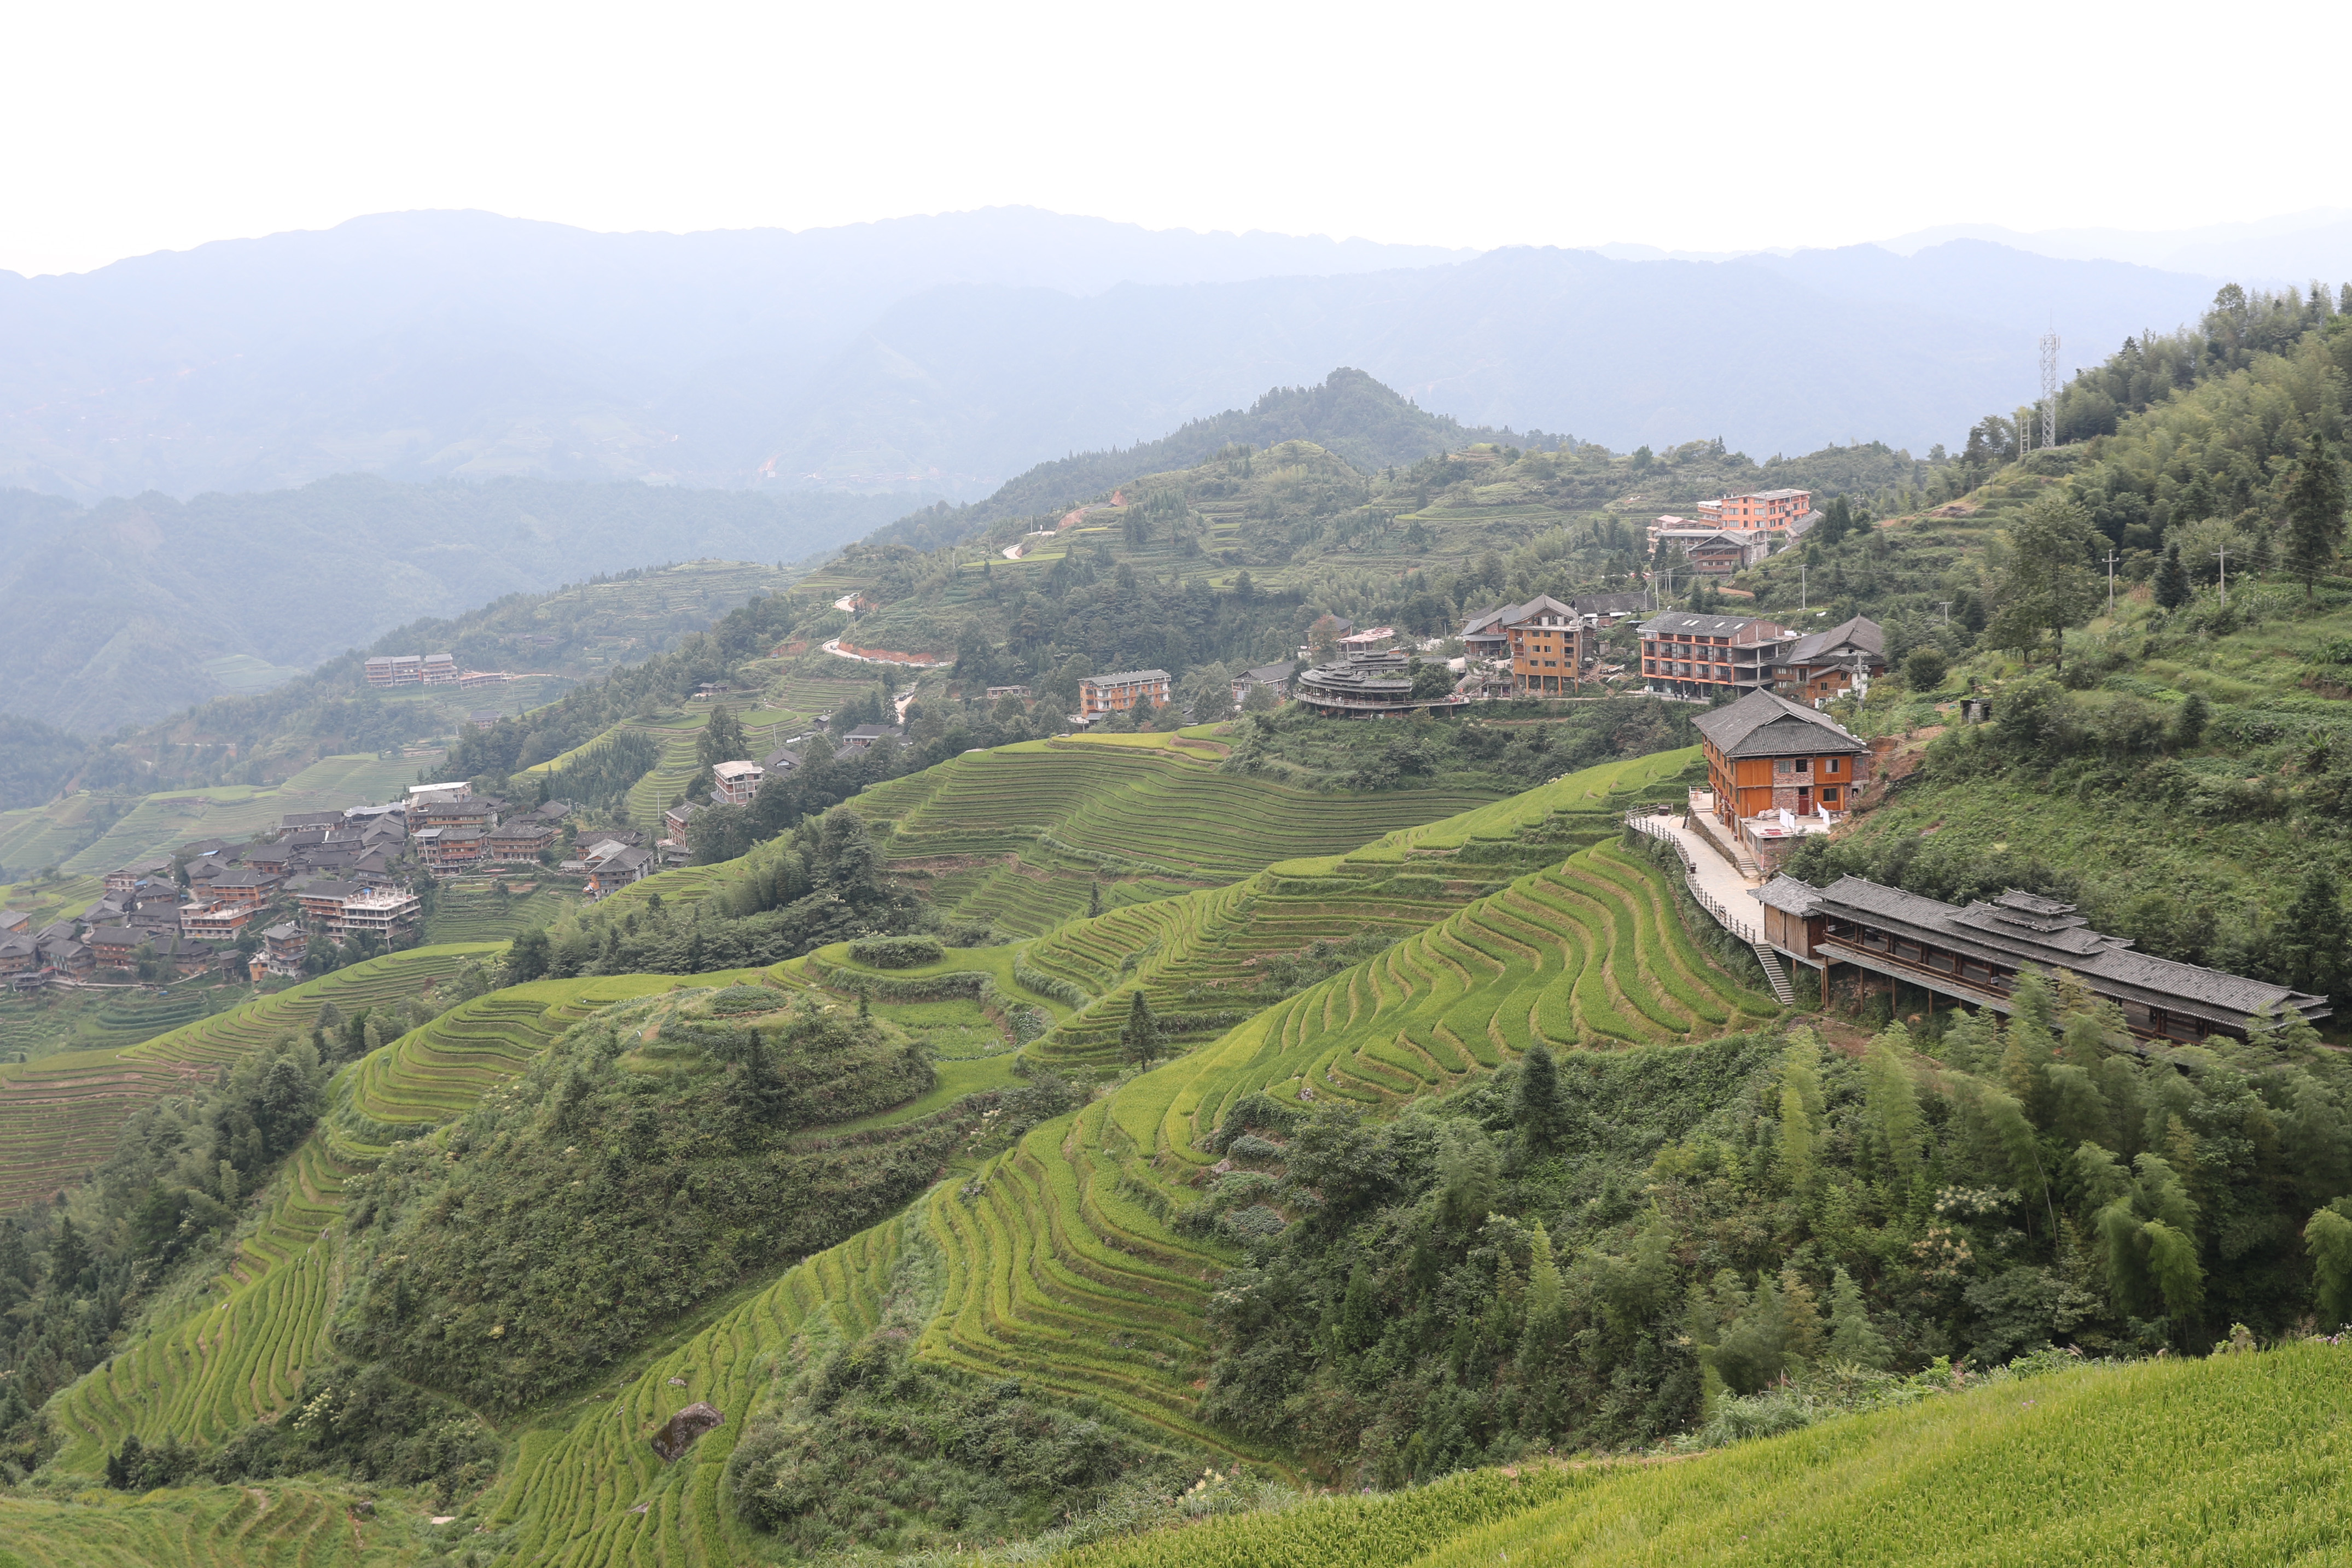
x=2237 y=1459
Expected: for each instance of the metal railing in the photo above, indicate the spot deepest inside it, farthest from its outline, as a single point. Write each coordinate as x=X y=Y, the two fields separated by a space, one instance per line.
x=1662 y=829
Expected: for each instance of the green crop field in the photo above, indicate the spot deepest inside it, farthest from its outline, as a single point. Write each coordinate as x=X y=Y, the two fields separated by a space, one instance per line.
x=1017 y=835
x=1058 y=1262
x=158 y=823
x=2234 y=1459
x=474 y=911
x=271 y=1524
x=60 y=1114
x=226 y=1352
x=1061 y=1266
x=54 y=1019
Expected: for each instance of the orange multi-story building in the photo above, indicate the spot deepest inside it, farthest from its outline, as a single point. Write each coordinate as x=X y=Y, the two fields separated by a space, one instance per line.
x=1772 y=510
x=1545 y=639
x=1700 y=658
x=1766 y=755
x=1101 y=695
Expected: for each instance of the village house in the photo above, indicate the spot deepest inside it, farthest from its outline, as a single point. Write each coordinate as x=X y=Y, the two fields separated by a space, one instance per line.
x=1101 y=695
x=1701 y=658
x=431 y=794
x=323 y=901
x=115 y=946
x=866 y=736
x=784 y=760
x=736 y=783
x=385 y=913
x=395 y=670
x=609 y=874
x=1973 y=954
x=123 y=879
x=19 y=954
x=14 y=921
x=996 y=692
x=1274 y=678
x=284 y=946
x=452 y=849
x=484 y=718
x=438 y=670
x=1362 y=685
x=465 y=813
x=521 y=840
x=1776 y=770
x=250 y=889
x=215 y=922
x=1826 y=664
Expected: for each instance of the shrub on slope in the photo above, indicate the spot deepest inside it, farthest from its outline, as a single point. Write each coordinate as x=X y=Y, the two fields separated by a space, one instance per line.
x=640 y=1166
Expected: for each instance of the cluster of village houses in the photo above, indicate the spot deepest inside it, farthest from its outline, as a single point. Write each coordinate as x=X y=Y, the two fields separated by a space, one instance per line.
x=321 y=874
x=1552 y=647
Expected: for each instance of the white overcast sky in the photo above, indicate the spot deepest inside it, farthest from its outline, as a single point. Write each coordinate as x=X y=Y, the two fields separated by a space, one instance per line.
x=130 y=129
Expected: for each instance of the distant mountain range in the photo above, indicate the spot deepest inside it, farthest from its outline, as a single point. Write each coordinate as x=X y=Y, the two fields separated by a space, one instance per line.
x=942 y=355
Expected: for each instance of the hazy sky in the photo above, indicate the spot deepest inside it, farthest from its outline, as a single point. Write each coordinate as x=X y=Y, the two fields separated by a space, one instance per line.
x=1702 y=126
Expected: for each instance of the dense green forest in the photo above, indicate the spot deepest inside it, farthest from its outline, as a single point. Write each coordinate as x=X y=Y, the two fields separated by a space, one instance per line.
x=1602 y=1255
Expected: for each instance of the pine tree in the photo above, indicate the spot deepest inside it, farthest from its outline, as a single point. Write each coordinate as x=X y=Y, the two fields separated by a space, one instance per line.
x=2314 y=514
x=2172 y=579
x=1138 y=1037
x=1094 y=899
x=2188 y=724
x=2315 y=938
x=1852 y=1340
x=1535 y=1103
x=68 y=1255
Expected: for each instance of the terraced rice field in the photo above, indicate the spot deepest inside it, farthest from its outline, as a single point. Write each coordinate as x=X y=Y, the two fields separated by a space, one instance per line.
x=473 y=912
x=272 y=1524
x=677 y=737
x=60 y=1114
x=1017 y=835
x=1061 y=1267
x=161 y=822
x=231 y=1350
x=572 y=1496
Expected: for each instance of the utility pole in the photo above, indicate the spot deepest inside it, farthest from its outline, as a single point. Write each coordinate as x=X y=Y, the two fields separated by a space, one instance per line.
x=2111 y=583
x=2222 y=555
x=1803 y=588
x=1946 y=606
x=2049 y=389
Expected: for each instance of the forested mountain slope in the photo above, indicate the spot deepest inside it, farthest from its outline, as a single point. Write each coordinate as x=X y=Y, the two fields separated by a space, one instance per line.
x=118 y=611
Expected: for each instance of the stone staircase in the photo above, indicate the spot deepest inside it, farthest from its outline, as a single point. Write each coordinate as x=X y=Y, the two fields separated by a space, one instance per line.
x=1775 y=972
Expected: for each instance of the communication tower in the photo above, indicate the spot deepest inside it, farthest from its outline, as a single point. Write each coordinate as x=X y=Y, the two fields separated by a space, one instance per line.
x=2049 y=389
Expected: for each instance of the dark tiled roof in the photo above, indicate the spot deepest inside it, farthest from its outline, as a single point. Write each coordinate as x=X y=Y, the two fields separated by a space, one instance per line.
x=1763 y=724
x=1611 y=603
x=1861 y=632
x=1682 y=624
x=2022 y=928
x=1788 y=894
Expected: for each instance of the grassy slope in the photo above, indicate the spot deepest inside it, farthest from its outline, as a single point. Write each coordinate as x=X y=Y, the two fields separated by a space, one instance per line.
x=1017 y=835
x=217 y=1353
x=272 y=1524
x=2236 y=1459
x=59 y=1116
x=1063 y=1270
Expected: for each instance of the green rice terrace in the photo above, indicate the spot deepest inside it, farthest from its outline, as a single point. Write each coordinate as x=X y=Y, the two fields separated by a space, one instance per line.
x=1062 y=1266
x=60 y=1114
x=1059 y=1263
x=2233 y=1459
x=1017 y=836
x=54 y=1020
x=92 y=834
